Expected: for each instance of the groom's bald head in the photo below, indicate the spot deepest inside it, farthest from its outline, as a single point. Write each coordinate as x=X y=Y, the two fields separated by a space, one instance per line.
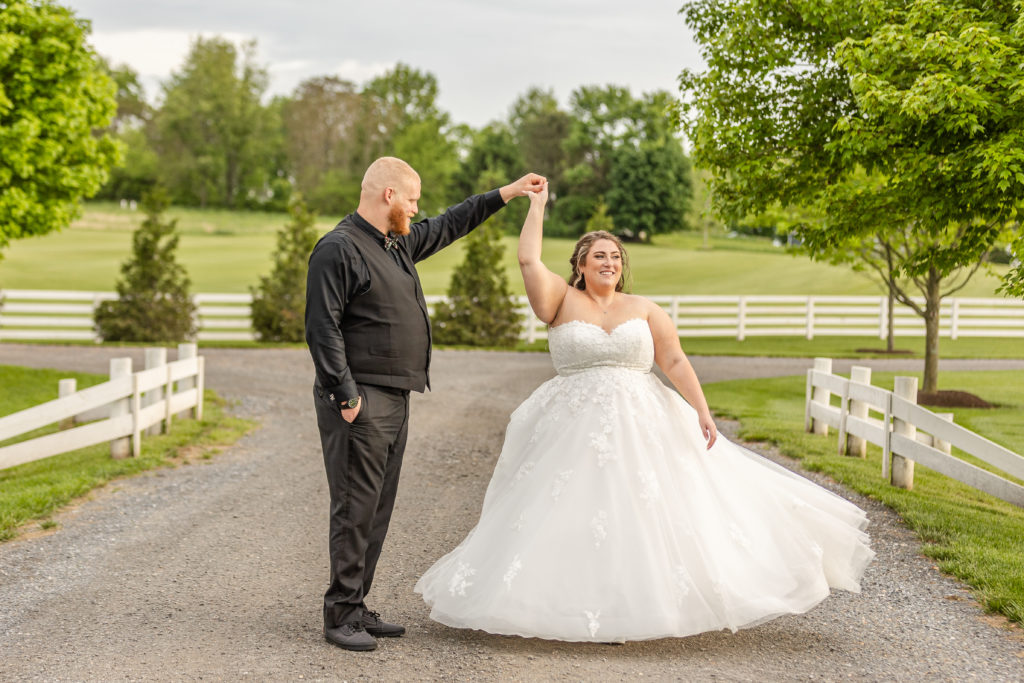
x=390 y=195
x=388 y=172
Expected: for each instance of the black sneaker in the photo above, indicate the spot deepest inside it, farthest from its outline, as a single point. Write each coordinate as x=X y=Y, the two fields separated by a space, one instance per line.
x=350 y=637
x=380 y=629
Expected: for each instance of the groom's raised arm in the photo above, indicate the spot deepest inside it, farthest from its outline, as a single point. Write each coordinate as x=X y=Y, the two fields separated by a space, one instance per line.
x=429 y=236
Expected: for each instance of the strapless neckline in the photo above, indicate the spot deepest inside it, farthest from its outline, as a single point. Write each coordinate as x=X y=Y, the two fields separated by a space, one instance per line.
x=584 y=345
x=596 y=326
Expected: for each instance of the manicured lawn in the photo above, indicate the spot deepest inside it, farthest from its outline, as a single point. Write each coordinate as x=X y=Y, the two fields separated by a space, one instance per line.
x=227 y=251
x=973 y=536
x=847 y=347
x=33 y=491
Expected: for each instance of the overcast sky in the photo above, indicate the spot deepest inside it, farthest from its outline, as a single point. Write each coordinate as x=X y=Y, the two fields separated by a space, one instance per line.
x=484 y=53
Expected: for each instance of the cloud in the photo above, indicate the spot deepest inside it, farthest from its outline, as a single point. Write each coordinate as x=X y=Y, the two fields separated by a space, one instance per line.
x=153 y=53
x=359 y=72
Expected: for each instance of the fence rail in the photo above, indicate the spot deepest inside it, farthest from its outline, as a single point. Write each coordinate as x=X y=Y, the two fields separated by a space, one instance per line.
x=124 y=408
x=68 y=315
x=906 y=432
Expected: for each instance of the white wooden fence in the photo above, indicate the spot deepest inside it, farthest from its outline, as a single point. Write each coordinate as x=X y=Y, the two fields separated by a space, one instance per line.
x=63 y=315
x=32 y=314
x=906 y=432
x=124 y=408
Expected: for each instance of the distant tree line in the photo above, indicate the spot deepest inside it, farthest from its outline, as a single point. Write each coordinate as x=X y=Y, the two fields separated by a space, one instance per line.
x=213 y=141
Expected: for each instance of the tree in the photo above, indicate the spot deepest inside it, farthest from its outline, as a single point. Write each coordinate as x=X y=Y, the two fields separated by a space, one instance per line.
x=649 y=189
x=153 y=302
x=279 y=301
x=321 y=122
x=894 y=119
x=616 y=136
x=136 y=173
x=212 y=132
x=480 y=310
x=541 y=128
x=493 y=153
x=54 y=101
x=401 y=118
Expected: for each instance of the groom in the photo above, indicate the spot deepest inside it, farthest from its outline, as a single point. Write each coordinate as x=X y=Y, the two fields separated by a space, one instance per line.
x=369 y=335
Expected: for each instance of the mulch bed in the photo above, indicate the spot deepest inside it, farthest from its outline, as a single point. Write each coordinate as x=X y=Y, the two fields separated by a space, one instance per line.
x=952 y=399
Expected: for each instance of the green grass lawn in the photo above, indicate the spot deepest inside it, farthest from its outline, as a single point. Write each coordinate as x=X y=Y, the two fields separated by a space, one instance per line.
x=850 y=347
x=227 y=251
x=973 y=536
x=34 y=490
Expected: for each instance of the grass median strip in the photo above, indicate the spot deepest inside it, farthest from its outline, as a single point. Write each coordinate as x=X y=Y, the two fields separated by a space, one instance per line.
x=35 y=490
x=970 y=535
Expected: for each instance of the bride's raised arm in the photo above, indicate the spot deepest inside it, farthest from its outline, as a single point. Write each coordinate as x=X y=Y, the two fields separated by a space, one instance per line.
x=544 y=289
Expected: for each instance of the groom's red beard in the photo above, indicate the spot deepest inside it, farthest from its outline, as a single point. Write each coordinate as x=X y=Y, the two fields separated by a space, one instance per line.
x=398 y=221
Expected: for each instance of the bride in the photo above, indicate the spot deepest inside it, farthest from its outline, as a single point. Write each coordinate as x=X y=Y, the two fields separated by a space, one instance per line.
x=615 y=512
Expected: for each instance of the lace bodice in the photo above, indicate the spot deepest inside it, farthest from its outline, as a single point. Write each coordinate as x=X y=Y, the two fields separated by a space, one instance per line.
x=577 y=346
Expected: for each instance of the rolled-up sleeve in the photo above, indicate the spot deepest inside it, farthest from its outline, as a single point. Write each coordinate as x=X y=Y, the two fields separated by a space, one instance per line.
x=330 y=283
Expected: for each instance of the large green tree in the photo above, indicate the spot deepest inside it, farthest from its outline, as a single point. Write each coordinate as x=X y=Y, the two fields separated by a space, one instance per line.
x=401 y=118
x=899 y=119
x=321 y=122
x=55 y=100
x=617 y=138
x=213 y=134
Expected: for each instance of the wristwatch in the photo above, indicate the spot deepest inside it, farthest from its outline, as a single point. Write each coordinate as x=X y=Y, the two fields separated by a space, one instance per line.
x=351 y=403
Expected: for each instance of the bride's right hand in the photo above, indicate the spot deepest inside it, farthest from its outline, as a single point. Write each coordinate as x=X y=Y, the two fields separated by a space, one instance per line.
x=540 y=197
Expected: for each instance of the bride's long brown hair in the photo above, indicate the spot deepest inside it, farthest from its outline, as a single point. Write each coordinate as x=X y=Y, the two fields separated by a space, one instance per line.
x=579 y=256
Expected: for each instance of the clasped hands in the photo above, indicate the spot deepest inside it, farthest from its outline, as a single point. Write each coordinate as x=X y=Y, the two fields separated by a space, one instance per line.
x=529 y=184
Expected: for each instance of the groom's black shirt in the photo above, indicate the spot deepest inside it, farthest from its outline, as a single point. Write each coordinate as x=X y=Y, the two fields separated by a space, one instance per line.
x=366 y=318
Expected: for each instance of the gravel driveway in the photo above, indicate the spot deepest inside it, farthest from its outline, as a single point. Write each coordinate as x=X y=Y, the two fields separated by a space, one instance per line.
x=215 y=571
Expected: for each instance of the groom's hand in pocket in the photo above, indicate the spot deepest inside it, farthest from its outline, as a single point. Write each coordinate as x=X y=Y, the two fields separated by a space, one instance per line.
x=349 y=414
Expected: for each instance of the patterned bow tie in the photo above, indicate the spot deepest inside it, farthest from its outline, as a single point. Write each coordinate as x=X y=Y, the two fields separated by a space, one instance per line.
x=390 y=242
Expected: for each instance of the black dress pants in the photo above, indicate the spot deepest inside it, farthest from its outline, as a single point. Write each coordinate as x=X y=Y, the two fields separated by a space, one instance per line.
x=363 y=460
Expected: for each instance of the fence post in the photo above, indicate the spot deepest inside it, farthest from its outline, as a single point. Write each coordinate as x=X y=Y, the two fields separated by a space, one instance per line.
x=120 y=447
x=136 y=418
x=66 y=387
x=155 y=357
x=903 y=468
x=741 y=319
x=821 y=395
x=810 y=317
x=168 y=392
x=187 y=350
x=855 y=445
x=200 y=386
x=883 y=317
x=674 y=313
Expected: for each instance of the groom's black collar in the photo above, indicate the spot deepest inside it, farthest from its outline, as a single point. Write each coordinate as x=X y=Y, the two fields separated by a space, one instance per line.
x=367 y=227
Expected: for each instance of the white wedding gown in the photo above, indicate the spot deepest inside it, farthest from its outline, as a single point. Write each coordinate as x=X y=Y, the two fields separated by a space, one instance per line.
x=607 y=519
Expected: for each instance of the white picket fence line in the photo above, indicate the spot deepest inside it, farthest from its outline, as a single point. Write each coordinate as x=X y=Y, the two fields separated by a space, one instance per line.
x=124 y=408
x=898 y=432
x=68 y=315
x=36 y=314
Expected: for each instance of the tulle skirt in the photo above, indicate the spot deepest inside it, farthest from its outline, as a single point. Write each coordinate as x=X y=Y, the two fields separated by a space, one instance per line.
x=607 y=519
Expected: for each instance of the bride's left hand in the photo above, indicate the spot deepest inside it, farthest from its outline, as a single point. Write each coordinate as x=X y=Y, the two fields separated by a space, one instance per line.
x=708 y=429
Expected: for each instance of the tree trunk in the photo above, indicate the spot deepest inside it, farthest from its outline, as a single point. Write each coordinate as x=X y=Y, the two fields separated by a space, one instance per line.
x=933 y=302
